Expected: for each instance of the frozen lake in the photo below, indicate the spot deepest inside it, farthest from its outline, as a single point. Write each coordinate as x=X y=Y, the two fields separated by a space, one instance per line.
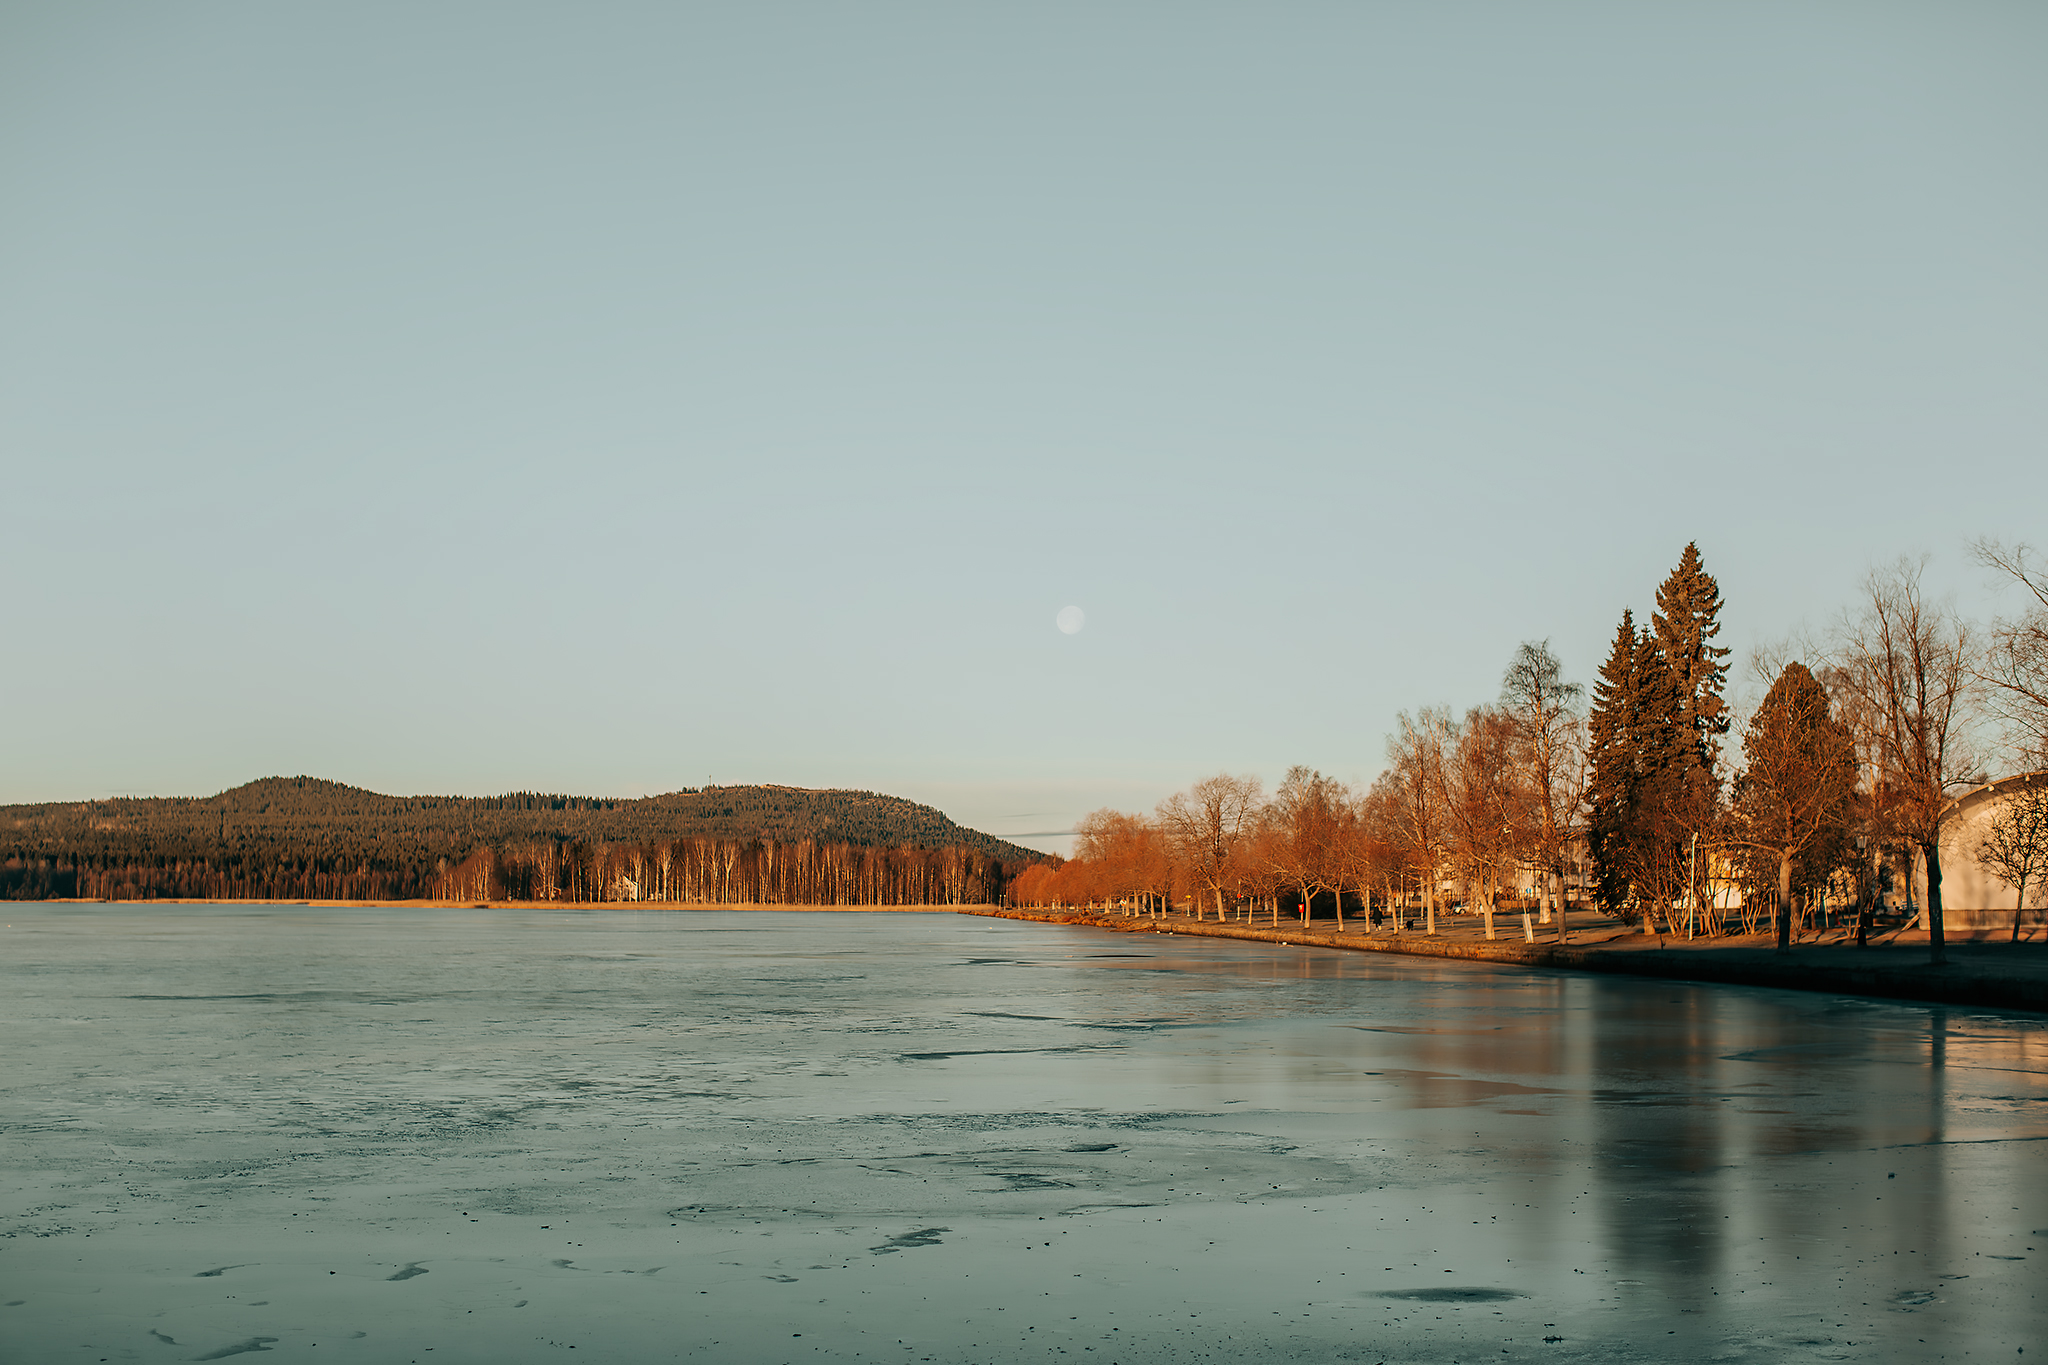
x=490 y=1136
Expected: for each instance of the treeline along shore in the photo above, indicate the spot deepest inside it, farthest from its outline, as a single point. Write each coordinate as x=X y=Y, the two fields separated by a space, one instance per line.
x=302 y=838
x=1898 y=771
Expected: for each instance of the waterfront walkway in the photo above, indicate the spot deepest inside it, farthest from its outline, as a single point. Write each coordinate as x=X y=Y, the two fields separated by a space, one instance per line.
x=1983 y=969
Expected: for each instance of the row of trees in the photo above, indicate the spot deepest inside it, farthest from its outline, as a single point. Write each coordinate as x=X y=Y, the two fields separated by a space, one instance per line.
x=72 y=874
x=701 y=871
x=1485 y=802
x=303 y=838
x=1850 y=764
x=1847 y=769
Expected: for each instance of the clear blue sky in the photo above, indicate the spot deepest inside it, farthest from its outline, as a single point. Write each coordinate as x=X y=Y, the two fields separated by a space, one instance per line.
x=607 y=397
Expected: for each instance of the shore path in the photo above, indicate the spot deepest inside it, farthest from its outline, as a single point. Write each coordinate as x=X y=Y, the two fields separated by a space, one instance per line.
x=1983 y=968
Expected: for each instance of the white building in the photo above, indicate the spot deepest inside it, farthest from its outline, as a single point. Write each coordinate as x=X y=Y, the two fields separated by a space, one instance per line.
x=1973 y=896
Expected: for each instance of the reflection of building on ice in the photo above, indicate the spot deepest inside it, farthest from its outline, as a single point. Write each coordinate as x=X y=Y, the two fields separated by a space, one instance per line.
x=1974 y=896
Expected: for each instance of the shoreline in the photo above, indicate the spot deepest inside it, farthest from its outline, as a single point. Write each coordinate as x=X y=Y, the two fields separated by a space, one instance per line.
x=1988 y=974
x=1985 y=972
x=520 y=905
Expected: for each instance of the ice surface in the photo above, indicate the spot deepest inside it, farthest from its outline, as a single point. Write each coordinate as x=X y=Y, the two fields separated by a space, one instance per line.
x=455 y=1135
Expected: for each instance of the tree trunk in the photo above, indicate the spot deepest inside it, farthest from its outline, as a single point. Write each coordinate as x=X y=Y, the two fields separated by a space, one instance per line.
x=1557 y=894
x=1937 y=946
x=2019 y=906
x=1784 y=900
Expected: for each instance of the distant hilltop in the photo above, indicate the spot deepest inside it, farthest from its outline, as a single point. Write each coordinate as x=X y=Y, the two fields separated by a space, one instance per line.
x=305 y=837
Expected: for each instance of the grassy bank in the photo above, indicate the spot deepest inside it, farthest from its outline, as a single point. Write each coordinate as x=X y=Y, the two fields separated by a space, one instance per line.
x=1981 y=972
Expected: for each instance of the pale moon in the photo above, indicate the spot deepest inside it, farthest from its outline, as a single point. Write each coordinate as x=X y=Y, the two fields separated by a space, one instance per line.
x=1071 y=619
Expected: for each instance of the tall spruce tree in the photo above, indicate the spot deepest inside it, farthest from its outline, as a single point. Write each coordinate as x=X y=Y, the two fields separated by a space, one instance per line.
x=1687 y=619
x=1612 y=789
x=1665 y=782
x=1641 y=761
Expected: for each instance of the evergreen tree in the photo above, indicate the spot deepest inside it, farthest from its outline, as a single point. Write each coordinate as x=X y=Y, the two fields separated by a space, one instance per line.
x=1612 y=790
x=1640 y=759
x=1795 y=801
x=1687 y=619
x=1665 y=780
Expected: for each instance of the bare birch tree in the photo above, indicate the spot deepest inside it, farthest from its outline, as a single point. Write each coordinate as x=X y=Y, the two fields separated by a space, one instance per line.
x=1384 y=833
x=1306 y=819
x=2016 y=663
x=1545 y=709
x=1206 y=827
x=1420 y=752
x=2016 y=845
x=1356 y=853
x=1910 y=665
x=1487 y=810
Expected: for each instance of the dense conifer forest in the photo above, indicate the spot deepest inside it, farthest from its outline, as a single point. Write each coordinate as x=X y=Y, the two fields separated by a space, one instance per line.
x=300 y=838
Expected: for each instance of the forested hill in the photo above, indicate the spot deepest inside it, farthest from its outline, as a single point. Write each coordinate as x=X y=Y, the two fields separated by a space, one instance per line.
x=302 y=836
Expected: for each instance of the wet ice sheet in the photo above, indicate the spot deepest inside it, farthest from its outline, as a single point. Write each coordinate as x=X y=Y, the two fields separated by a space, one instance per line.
x=370 y=1135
